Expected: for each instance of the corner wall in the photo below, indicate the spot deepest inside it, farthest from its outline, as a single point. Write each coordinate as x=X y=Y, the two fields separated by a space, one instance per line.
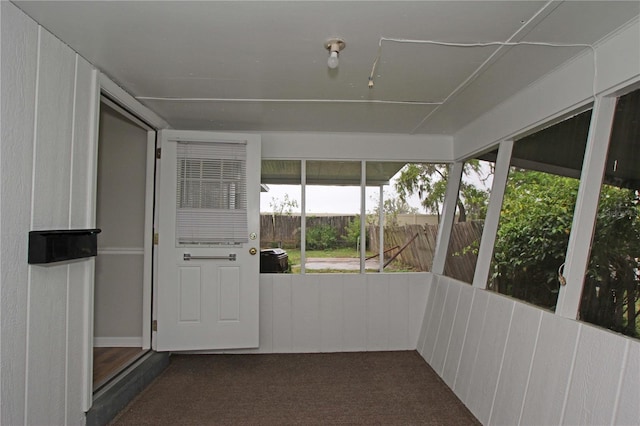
x=512 y=363
x=47 y=181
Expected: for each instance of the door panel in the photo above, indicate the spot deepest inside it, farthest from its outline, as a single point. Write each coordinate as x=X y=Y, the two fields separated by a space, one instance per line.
x=207 y=274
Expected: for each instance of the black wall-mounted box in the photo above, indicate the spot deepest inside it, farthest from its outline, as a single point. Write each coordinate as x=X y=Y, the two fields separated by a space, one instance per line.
x=60 y=245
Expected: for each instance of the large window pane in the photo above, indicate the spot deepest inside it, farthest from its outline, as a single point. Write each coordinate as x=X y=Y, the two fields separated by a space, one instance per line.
x=412 y=210
x=537 y=212
x=611 y=294
x=471 y=210
x=332 y=195
x=280 y=201
x=381 y=197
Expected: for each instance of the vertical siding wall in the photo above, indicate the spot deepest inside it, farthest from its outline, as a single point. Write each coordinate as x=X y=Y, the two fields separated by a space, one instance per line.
x=49 y=103
x=512 y=363
x=341 y=312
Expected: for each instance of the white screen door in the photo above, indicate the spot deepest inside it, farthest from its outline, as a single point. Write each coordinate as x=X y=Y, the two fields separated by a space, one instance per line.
x=209 y=241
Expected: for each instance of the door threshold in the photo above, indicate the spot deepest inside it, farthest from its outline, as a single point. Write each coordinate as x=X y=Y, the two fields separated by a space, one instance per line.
x=112 y=397
x=113 y=374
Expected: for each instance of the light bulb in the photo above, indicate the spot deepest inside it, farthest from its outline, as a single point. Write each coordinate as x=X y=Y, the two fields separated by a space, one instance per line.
x=333 y=60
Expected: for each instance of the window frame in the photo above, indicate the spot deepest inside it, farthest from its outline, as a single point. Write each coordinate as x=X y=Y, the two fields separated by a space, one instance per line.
x=363 y=205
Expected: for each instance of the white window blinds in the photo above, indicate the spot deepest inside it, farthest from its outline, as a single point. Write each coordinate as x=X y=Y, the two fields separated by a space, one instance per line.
x=211 y=193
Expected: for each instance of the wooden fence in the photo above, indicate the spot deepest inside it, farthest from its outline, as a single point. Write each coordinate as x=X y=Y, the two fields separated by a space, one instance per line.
x=284 y=230
x=462 y=256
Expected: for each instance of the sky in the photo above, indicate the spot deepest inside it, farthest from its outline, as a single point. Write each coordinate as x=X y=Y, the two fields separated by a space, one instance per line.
x=337 y=199
x=322 y=199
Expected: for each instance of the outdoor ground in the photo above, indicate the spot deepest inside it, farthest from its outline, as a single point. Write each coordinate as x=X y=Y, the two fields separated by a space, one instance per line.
x=339 y=260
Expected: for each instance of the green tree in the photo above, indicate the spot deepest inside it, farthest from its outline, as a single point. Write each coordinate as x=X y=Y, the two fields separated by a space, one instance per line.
x=352 y=233
x=284 y=206
x=321 y=237
x=429 y=182
x=531 y=242
x=281 y=208
x=612 y=289
x=391 y=207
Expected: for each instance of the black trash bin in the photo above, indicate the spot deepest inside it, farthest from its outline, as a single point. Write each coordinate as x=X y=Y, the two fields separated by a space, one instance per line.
x=274 y=261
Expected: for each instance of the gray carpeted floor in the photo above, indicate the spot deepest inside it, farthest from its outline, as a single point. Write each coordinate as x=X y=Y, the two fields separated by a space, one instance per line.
x=390 y=388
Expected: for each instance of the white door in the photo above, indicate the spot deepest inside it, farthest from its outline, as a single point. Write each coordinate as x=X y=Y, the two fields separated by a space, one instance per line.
x=209 y=241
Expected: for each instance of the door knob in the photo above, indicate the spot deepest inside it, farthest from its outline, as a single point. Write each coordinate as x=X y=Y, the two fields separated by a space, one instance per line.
x=253 y=251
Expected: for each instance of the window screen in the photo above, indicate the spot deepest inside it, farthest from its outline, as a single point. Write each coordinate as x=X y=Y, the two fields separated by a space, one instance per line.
x=211 y=201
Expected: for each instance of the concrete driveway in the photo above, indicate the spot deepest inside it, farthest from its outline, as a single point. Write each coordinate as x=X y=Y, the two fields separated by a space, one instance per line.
x=341 y=263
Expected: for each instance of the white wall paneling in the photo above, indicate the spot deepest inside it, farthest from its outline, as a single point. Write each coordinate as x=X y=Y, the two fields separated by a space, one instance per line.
x=305 y=314
x=340 y=312
x=47 y=329
x=628 y=409
x=82 y=213
x=398 y=299
x=426 y=320
x=471 y=345
x=354 y=311
x=266 y=314
x=377 y=312
x=19 y=47
x=357 y=146
x=282 y=326
x=513 y=363
x=331 y=312
x=419 y=290
x=550 y=371
x=516 y=365
x=435 y=317
x=458 y=333
x=48 y=182
x=592 y=393
x=450 y=308
x=489 y=358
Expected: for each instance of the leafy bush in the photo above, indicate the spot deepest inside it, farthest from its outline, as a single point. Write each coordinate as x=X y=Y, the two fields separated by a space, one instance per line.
x=352 y=232
x=321 y=237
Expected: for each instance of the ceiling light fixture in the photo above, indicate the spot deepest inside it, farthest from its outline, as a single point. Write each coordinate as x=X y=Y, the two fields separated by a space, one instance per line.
x=334 y=46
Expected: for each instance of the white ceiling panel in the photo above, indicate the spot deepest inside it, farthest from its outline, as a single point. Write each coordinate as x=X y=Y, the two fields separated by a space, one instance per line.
x=272 y=52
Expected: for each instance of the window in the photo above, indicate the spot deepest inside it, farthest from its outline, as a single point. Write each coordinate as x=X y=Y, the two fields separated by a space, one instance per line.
x=471 y=210
x=413 y=210
x=537 y=212
x=280 y=203
x=611 y=293
x=332 y=216
x=318 y=219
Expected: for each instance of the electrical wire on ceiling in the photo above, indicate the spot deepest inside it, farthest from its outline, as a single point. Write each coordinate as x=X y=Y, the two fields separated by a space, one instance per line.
x=313 y=101
x=479 y=44
x=481 y=67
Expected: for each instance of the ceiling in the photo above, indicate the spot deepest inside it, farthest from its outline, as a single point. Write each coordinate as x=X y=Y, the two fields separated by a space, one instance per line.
x=262 y=66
